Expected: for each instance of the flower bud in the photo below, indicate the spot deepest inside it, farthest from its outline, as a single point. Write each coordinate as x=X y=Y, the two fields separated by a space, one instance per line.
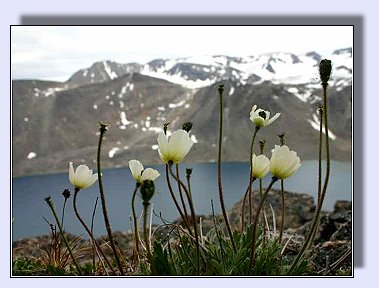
x=188 y=172
x=221 y=88
x=165 y=125
x=147 y=191
x=187 y=126
x=281 y=137
x=325 y=69
x=66 y=194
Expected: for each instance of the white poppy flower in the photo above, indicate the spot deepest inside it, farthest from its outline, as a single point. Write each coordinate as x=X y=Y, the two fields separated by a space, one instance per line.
x=261 y=117
x=283 y=162
x=82 y=178
x=175 y=148
x=261 y=166
x=141 y=174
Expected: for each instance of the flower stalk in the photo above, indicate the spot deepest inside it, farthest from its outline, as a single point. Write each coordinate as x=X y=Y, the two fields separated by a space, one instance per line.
x=89 y=232
x=282 y=141
x=192 y=208
x=219 y=176
x=325 y=69
x=251 y=173
x=255 y=224
x=103 y=129
x=51 y=206
x=181 y=193
x=136 y=230
x=185 y=220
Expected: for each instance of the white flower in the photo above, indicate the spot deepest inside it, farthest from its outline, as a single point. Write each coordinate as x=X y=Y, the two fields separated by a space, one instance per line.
x=82 y=178
x=176 y=148
x=261 y=166
x=141 y=174
x=283 y=162
x=261 y=117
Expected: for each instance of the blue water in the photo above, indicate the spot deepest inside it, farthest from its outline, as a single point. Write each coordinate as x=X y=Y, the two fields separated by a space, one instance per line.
x=29 y=207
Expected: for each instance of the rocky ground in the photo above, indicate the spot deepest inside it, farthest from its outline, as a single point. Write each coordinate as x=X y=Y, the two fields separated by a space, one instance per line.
x=332 y=244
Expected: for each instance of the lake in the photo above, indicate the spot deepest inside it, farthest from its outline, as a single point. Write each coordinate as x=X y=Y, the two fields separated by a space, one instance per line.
x=29 y=207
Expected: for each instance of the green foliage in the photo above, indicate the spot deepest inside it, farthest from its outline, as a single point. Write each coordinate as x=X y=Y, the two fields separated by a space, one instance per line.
x=219 y=258
x=161 y=260
x=25 y=266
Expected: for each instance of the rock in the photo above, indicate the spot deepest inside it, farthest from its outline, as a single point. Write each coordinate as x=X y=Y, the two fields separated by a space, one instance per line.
x=342 y=205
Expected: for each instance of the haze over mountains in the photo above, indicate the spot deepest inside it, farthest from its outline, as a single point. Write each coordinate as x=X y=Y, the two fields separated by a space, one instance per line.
x=56 y=122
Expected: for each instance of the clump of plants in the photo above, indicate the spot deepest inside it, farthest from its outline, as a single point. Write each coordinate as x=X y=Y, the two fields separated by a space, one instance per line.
x=248 y=250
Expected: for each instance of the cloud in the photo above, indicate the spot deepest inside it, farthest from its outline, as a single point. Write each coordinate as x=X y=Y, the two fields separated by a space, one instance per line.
x=50 y=52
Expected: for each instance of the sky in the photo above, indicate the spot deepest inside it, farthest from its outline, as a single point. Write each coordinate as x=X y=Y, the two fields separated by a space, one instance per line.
x=57 y=52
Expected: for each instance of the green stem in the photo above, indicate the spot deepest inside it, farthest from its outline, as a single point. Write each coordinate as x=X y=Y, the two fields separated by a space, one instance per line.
x=251 y=173
x=316 y=218
x=63 y=209
x=51 y=205
x=146 y=237
x=252 y=251
x=93 y=244
x=282 y=212
x=221 y=193
x=263 y=210
x=243 y=207
x=136 y=232
x=181 y=193
x=89 y=231
x=185 y=220
x=320 y=157
x=192 y=208
x=103 y=128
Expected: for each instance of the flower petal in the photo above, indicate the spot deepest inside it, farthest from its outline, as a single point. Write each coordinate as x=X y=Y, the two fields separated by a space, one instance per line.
x=179 y=145
x=273 y=119
x=149 y=174
x=163 y=147
x=71 y=173
x=136 y=168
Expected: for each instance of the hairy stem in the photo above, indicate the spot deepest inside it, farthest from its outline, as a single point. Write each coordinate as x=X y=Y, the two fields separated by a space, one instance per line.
x=181 y=193
x=185 y=220
x=255 y=224
x=136 y=232
x=251 y=174
x=243 y=207
x=312 y=231
x=89 y=231
x=93 y=244
x=103 y=128
x=221 y=193
x=192 y=208
x=51 y=205
x=146 y=237
x=282 y=212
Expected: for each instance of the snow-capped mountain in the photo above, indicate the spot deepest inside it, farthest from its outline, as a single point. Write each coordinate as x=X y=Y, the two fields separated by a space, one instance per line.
x=56 y=122
x=202 y=71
